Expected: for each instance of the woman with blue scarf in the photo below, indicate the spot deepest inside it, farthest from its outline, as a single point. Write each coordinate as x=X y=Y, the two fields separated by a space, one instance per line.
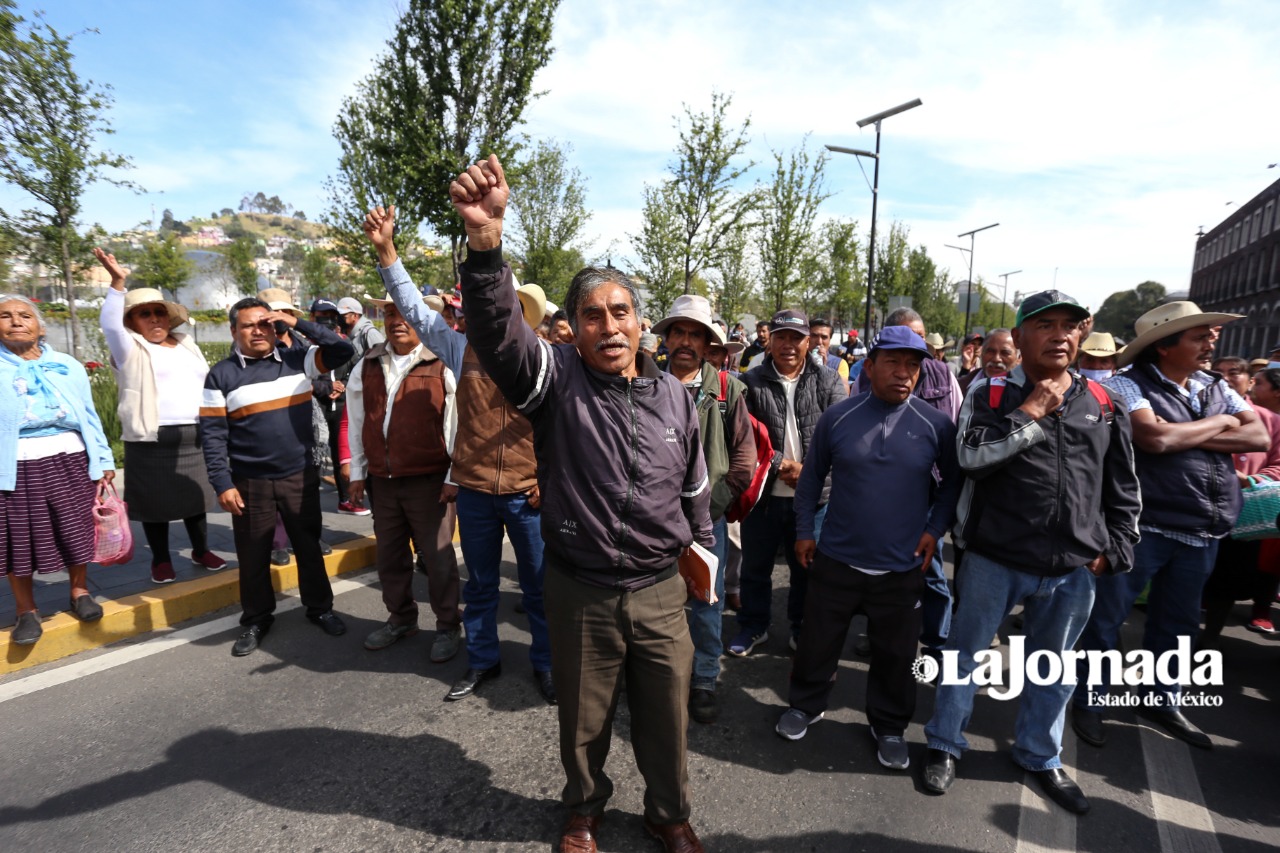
x=53 y=458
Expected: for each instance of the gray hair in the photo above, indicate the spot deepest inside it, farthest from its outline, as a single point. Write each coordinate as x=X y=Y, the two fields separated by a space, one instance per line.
x=35 y=309
x=586 y=282
x=901 y=317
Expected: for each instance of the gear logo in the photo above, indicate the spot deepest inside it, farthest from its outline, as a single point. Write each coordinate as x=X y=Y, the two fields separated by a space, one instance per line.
x=925 y=669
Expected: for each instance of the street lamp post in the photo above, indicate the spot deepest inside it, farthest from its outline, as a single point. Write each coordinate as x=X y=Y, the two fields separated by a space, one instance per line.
x=875 y=194
x=968 y=297
x=1004 y=294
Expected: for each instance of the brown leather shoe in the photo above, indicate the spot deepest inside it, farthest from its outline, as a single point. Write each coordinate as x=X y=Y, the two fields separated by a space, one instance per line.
x=675 y=837
x=579 y=835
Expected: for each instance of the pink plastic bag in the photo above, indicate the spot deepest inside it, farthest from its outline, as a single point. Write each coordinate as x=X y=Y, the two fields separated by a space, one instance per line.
x=112 y=538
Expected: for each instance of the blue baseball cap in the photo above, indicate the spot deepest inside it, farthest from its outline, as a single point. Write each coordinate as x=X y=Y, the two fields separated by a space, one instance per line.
x=899 y=337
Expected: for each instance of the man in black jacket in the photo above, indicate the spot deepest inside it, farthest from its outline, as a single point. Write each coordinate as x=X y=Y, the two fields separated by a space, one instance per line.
x=788 y=392
x=624 y=492
x=1051 y=503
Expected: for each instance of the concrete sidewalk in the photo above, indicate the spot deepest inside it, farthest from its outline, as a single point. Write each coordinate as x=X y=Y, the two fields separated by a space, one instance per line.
x=133 y=605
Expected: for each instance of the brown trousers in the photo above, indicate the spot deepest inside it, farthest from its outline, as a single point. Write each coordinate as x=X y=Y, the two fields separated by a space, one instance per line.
x=597 y=635
x=407 y=508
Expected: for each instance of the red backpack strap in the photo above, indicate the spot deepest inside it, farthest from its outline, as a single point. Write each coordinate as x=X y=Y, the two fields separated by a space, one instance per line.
x=724 y=385
x=1104 y=399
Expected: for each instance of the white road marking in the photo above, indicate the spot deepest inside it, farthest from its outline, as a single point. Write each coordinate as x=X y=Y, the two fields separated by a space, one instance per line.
x=1043 y=825
x=1184 y=823
x=162 y=643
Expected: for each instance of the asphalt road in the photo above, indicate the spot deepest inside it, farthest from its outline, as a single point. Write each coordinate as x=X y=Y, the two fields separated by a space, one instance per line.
x=314 y=744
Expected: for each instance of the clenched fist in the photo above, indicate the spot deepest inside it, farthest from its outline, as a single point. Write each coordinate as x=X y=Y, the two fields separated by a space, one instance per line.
x=480 y=196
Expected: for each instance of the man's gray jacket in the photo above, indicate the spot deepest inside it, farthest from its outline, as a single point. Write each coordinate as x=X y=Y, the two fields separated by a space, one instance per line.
x=620 y=465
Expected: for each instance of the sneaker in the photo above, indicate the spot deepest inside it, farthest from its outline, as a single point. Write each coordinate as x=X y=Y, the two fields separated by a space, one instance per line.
x=348 y=508
x=280 y=557
x=703 y=706
x=892 y=751
x=446 y=645
x=862 y=646
x=794 y=723
x=209 y=560
x=741 y=645
x=163 y=573
x=1261 y=625
x=388 y=634
x=794 y=643
x=325 y=550
x=28 y=629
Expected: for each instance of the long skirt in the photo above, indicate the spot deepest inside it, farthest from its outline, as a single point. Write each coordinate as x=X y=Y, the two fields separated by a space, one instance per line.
x=46 y=522
x=165 y=479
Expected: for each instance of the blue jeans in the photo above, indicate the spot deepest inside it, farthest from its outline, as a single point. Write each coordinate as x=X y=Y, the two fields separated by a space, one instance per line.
x=1055 y=611
x=1177 y=574
x=705 y=621
x=936 y=604
x=481 y=519
x=762 y=531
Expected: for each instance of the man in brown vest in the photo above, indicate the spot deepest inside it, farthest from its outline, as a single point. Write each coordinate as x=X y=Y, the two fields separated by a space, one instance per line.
x=401 y=424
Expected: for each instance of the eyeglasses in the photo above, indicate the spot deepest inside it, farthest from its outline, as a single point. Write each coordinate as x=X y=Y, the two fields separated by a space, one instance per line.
x=148 y=312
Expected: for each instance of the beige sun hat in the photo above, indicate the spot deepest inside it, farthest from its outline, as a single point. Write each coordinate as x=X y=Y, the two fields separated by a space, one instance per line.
x=533 y=302
x=150 y=296
x=1169 y=319
x=934 y=340
x=691 y=307
x=1101 y=345
x=278 y=300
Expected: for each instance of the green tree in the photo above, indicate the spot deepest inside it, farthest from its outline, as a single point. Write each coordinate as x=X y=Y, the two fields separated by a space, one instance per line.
x=50 y=123
x=451 y=87
x=320 y=276
x=841 y=271
x=658 y=248
x=236 y=266
x=736 y=274
x=1121 y=310
x=788 y=208
x=162 y=264
x=702 y=184
x=550 y=216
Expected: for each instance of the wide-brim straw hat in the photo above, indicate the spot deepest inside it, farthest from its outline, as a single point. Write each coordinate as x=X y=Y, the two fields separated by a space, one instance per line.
x=1100 y=345
x=278 y=300
x=696 y=309
x=1169 y=319
x=533 y=303
x=734 y=347
x=150 y=296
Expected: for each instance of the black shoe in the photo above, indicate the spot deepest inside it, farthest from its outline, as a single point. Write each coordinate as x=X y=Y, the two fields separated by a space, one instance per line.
x=325 y=549
x=471 y=681
x=86 y=609
x=862 y=646
x=28 y=630
x=1062 y=790
x=330 y=622
x=546 y=686
x=1173 y=722
x=939 y=771
x=703 y=706
x=1089 y=727
x=248 y=641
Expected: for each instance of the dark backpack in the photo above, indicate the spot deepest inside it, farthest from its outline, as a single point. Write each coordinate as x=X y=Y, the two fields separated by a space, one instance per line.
x=746 y=501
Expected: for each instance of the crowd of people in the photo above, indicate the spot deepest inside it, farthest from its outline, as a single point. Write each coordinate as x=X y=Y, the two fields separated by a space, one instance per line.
x=1072 y=474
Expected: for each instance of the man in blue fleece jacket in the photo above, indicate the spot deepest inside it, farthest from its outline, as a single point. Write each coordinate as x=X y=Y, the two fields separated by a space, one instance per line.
x=891 y=444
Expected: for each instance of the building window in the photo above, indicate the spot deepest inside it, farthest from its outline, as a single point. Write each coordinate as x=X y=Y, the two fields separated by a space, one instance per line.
x=1257 y=222
x=1266 y=217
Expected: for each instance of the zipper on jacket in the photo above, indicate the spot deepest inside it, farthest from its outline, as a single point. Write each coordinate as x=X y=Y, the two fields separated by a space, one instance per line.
x=631 y=477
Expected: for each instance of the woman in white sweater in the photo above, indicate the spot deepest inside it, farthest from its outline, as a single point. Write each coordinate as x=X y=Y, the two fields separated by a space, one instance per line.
x=161 y=375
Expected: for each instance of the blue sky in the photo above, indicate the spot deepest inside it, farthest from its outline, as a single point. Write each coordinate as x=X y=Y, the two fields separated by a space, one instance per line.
x=1100 y=135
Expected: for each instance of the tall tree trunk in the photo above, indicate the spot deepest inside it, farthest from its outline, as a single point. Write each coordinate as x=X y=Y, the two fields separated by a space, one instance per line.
x=68 y=282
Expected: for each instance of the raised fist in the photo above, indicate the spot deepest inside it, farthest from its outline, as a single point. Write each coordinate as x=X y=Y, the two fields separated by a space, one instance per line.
x=480 y=196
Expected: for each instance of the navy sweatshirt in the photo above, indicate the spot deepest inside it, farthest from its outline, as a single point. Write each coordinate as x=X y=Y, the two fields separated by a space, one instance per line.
x=884 y=492
x=255 y=417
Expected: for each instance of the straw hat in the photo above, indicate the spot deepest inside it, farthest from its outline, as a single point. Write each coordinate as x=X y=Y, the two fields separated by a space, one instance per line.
x=1169 y=319
x=533 y=303
x=934 y=340
x=151 y=296
x=278 y=300
x=1100 y=345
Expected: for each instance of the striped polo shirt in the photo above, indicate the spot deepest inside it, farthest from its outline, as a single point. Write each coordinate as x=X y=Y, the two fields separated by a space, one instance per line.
x=255 y=413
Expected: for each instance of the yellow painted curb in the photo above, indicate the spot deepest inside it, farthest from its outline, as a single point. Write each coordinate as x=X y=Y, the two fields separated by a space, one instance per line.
x=64 y=635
